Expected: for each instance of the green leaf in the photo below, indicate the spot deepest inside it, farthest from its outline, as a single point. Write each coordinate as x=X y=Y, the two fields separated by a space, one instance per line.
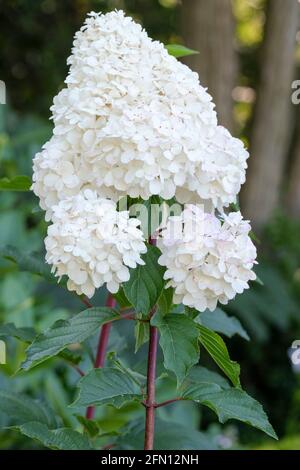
x=217 y=349
x=28 y=262
x=89 y=425
x=121 y=298
x=17 y=183
x=20 y=409
x=141 y=332
x=199 y=374
x=165 y=301
x=149 y=212
x=107 y=386
x=146 y=282
x=220 y=322
x=137 y=377
x=59 y=439
x=191 y=312
x=70 y=356
x=179 y=343
x=23 y=334
x=168 y=436
x=231 y=404
x=177 y=50
x=66 y=332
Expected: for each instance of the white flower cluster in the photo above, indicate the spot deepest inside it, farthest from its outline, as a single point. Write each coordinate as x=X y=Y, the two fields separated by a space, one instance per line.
x=92 y=243
x=207 y=261
x=132 y=120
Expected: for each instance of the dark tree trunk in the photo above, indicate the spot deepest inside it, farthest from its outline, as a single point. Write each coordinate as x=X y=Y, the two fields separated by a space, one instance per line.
x=271 y=130
x=208 y=27
x=293 y=190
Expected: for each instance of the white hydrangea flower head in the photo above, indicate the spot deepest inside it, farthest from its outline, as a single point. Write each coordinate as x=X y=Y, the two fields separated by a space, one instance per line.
x=92 y=243
x=207 y=260
x=219 y=173
x=58 y=175
x=133 y=120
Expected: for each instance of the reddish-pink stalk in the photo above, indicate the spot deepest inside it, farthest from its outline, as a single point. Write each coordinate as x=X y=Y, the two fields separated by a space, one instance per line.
x=151 y=376
x=101 y=349
x=150 y=401
x=167 y=402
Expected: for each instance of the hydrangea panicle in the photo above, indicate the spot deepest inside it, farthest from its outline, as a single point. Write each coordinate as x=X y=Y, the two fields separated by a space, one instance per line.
x=133 y=120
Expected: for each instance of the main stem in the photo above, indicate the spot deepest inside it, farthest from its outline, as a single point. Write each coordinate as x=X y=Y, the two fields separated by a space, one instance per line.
x=101 y=349
x=150 y=402
x=151 y=375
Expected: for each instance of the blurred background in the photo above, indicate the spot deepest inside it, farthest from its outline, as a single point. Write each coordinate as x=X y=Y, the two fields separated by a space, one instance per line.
x=249 y=58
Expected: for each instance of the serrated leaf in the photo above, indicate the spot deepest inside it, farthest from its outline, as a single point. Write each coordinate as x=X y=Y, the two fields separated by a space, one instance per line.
x=220 y=322
x=107 y=386
x=177 y=50
x=168 y=436
x=66 y=332
x=165 y=301
x=231 y=404
x=17 y=183
x=21 y=409
x=23 y=334
x=28 y=262
x=27 y=335
x=146 y=282
x=179 y=343
x=216 y=348
x=59 y=439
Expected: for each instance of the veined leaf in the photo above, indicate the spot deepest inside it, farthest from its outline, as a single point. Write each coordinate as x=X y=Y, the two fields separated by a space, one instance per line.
x=165 y=301
x=28 y=262
x=146 y=282
x=231 y=404
x=177 y=50
x=21 y=409
x=17 y=183
x=27 y=335
x=66 y=332
x=199 y=374
x=217 y=349
x=107 y=386
x=179 y=342
x=59 y=439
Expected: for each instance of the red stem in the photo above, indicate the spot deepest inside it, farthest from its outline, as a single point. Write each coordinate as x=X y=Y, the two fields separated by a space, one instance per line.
x=150 y=401
x=86 y=302
x=167 y=402
x=101 y=350
x=102 y=345
x=151 y=375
